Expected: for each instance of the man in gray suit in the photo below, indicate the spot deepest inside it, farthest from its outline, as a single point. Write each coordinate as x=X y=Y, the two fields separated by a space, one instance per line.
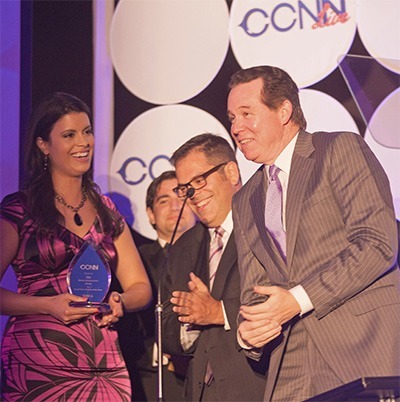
x=202 y=306
x=319 y=278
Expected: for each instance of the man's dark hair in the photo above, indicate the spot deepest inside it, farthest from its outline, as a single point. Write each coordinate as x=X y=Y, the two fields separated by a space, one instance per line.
x=216 y=149
x=155 y=184
x=278 y=86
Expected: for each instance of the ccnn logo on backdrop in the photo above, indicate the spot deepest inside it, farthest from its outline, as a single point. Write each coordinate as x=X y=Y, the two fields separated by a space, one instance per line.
x=304 y=37
x=134 y=169
x=325 y=15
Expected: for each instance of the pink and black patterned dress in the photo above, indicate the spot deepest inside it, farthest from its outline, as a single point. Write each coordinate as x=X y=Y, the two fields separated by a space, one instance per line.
x=43 y=359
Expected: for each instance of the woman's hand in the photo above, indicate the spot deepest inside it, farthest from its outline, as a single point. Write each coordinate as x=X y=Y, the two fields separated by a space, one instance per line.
x=59 y=307
x=116 y=303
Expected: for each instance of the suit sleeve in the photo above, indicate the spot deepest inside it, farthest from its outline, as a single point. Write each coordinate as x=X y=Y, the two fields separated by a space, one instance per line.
x=251 y=271
x=362 y=193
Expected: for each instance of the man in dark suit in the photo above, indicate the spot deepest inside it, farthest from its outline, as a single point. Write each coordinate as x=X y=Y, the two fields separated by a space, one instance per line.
x=201 y=306
x=320 y=282
x=162 y=207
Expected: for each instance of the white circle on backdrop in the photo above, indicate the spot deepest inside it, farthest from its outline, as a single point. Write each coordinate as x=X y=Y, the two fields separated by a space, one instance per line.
x=379 y=29
x=168 y=51
x=383 y=137
x=322 y=112
x=281 y=34
x=143 y=150
x=325 y=113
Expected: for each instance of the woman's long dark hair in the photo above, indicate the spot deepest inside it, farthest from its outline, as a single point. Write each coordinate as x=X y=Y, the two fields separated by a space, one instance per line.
x=39 y=185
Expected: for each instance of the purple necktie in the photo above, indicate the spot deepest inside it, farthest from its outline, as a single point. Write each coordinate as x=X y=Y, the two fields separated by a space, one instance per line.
x=273 y=210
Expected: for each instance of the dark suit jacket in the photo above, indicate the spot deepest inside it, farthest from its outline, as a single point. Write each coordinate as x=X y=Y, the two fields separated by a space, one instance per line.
x=131 y=333
x=234 y=376
x=341 y=247
x=153 y=258
x=137 y=330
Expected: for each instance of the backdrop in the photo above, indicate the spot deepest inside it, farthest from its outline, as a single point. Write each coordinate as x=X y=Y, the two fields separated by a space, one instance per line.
x=172 y=60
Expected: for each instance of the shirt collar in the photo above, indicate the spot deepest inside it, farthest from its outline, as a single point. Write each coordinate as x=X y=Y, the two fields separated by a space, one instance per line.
x=162 y=242
x=284 y=159
x=227 y=225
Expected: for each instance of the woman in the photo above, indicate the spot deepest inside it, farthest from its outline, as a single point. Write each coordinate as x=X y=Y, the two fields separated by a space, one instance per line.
x=52 y=350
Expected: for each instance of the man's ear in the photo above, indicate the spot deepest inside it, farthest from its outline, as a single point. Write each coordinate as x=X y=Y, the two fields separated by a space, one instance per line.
x=286 y=111
x=151 y=216
x=232 y=172
x=42 y=145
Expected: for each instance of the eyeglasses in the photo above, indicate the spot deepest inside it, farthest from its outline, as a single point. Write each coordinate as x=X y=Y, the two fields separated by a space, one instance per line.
x=196 y=183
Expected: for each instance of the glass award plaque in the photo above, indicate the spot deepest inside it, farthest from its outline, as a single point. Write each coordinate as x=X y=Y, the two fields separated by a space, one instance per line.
x=89 y=275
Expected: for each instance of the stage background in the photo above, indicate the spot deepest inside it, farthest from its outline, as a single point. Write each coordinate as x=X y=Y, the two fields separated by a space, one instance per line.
x=155 y=73
x=171 y=83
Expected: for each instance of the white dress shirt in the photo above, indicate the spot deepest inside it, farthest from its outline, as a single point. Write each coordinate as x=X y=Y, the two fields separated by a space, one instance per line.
x=283 y=162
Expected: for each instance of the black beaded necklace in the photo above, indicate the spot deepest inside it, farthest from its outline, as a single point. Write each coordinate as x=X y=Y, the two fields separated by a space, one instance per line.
x=77 y=218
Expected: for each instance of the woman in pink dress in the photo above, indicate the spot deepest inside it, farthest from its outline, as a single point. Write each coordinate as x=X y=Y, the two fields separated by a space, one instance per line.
x=51 y=350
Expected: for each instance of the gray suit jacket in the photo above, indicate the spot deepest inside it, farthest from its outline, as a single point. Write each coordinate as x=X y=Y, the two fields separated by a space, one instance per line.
x=233 y=371
x=341 y=247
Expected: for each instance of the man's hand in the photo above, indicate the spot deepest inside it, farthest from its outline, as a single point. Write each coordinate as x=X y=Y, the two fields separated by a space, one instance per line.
x=197 y=306
x=281 y=306
x=263 y=322
x=256 y=334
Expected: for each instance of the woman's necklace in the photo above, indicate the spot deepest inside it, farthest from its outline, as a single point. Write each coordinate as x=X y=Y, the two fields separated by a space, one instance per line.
x=77 y=217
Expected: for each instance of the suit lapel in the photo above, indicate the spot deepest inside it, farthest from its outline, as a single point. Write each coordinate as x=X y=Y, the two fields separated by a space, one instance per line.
x=202 y=256
x=153 y=257
x=300 y=171
x=257 y=203
x=158 y=255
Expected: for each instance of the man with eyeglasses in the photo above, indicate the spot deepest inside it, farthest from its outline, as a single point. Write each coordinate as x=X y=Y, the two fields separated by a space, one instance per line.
x=201 y=288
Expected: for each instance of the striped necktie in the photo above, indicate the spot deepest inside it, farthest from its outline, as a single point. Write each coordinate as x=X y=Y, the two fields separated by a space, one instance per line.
x=216 y=246
x=273 y=210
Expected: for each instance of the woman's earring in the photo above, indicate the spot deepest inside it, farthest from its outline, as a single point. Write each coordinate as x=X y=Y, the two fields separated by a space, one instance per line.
x=46 y=158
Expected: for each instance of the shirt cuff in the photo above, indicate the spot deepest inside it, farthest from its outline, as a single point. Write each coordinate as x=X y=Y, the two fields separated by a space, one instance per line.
x=188 y=336
x=302 y=298
x=226 y=322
